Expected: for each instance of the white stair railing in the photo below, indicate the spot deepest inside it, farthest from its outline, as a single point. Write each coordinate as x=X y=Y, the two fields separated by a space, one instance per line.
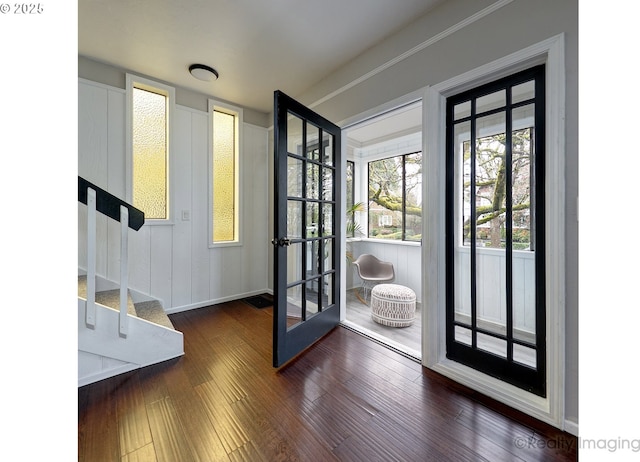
x=98 y=200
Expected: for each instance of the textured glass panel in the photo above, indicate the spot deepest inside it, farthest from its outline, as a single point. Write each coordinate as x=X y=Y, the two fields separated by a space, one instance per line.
x=313 y=181
x=294 y=219
x=491 y=101
x=313 y=211
x=294 y=177
x=523 y=92
x=294 y=134
x=313 y=139
x=224 y=176
x=327 y=143
x=150 y=153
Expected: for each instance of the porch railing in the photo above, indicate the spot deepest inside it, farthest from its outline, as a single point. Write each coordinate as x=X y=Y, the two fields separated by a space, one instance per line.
x=99 y=200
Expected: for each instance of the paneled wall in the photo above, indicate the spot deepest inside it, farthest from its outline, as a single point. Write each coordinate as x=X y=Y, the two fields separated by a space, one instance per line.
x=405 y=258
x=174 y=262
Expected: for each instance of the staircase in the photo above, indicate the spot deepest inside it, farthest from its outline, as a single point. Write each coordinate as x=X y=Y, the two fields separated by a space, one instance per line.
x=118 y=330
x=103 y=352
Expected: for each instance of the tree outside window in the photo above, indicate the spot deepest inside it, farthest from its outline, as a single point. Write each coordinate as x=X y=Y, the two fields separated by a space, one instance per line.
x=490 y=185
x=395 y=198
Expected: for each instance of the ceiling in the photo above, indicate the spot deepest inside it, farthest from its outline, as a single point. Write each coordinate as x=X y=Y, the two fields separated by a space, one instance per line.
x=257 y=46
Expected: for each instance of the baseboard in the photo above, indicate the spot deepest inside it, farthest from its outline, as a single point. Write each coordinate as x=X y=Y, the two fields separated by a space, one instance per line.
x=231 y=298
x=571 y=427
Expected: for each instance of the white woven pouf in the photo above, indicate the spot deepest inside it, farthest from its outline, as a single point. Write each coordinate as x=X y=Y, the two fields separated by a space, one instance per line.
x=393 y=305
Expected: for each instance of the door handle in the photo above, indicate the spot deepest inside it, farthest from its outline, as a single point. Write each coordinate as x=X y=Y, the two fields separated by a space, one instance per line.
x=282 y=242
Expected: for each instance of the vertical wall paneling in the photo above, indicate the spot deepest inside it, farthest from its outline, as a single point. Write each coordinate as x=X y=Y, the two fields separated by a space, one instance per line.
x=173 y=262
x=160 y=262
x=200 y=267
x=181 y=237
x=140 y=259
x=115 y=180
x=93 y=125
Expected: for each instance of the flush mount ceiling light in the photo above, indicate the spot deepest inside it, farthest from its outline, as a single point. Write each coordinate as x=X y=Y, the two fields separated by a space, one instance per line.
x=202 y=72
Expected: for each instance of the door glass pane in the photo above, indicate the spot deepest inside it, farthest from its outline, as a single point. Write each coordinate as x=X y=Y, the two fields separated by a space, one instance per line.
x=327 y=219
x=313 y=258
x=313 y=296
x=294 y=263
x=294 y=219
x=294 y=177
x=327 y=253
x=327 y=291
x=313 y=215
x=294 y=305
x=294 y=134
x=313 y=139
x=327 y=184
x=490 y=202
x=313 y=181
x=327 y=143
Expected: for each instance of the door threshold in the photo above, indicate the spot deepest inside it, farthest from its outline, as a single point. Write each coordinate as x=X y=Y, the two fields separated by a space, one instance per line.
x=403 y=350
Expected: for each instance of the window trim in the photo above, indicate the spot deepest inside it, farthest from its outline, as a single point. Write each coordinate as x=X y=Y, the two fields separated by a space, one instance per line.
x=237 y=111
x=135 y=81
x=549 y=409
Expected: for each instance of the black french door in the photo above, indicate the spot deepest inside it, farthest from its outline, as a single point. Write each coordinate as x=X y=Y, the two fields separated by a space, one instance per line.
x=307 y=223
x=495 y=244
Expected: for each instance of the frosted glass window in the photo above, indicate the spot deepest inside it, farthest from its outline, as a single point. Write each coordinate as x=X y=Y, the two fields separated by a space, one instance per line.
x=224 y=177
x=150 y=153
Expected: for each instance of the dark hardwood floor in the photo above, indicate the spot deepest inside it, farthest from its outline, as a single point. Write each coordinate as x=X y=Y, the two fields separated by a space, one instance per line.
x=346 y=398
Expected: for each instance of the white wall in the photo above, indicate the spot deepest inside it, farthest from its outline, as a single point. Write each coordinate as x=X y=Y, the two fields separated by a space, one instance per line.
x=405 y=258
x=173 y=262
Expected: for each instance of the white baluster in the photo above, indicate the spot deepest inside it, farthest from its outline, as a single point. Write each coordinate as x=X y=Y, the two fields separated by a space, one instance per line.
x=90 y=315
x=124 y=270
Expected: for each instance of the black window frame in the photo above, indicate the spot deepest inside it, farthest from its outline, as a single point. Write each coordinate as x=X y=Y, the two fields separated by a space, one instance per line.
x=505 y=369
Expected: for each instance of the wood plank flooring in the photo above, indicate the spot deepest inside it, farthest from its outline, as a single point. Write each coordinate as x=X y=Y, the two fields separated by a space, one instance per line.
x=346 y=398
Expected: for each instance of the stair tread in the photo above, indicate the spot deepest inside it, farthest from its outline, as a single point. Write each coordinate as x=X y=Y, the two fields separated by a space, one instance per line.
x=110 y=298
x=151 y=310
x=154 y=312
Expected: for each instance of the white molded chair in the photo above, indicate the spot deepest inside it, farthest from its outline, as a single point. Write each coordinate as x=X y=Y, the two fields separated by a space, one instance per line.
x=373 y=271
